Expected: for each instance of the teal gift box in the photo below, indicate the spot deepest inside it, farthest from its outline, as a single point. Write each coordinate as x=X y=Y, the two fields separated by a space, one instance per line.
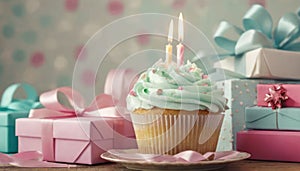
x=278 y=119
x=241 y=93
x=12 y=109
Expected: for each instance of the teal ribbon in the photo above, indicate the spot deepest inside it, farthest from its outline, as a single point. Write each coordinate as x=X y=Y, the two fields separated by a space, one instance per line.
x=258 y=32
x=8 y=103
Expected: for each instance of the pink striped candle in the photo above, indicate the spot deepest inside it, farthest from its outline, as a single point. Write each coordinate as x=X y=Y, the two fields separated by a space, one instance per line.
x=180 y=47
x=180 y=52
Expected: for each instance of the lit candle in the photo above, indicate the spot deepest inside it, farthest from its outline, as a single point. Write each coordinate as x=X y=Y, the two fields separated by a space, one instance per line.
x=169 y=46
x=180 y=47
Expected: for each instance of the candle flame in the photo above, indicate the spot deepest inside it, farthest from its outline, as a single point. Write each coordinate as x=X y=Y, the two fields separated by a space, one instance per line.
x=180 y=28
x=170 y=36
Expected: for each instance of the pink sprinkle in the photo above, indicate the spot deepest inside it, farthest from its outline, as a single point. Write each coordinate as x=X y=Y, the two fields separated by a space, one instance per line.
x=133 y=93
x=37 y=59
x=191 y=69
x=159 y=91
x=71 y=5
x=115 y=7
x=180 y=88
x=204 y=76
x=205 y=84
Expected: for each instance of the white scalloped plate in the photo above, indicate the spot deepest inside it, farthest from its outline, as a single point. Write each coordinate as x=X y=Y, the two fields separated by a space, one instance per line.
x=147 y=165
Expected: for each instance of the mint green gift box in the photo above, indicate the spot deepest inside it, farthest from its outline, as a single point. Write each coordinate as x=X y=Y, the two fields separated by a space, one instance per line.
x=12 y=109
x=257 y=117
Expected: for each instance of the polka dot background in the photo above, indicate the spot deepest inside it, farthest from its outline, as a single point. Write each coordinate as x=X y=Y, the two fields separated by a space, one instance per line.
x=8 y=31
x=40 y=40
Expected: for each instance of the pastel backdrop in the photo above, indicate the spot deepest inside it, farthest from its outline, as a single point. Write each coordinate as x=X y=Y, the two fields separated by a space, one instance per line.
x=40 y=40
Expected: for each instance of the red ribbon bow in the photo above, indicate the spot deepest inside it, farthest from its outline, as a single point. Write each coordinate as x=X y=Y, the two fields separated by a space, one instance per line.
x=276 y=96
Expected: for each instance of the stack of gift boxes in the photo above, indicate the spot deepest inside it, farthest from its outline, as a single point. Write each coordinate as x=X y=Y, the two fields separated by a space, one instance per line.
x=240 y=93
x=263 y=95
x=79 y=134
x=273 y=125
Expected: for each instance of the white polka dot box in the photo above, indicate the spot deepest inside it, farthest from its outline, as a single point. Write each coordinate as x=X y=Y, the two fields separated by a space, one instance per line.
x=241 y=93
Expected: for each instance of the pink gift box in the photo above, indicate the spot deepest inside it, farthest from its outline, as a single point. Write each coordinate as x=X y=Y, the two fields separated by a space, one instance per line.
x=75 y=140
x=292 y=91
x=270 y=145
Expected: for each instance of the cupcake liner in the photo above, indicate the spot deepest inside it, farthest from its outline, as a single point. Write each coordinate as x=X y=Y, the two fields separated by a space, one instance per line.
x=173 y=133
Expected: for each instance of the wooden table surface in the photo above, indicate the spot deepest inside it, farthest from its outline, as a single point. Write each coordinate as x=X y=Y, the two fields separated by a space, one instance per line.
x=246 y=165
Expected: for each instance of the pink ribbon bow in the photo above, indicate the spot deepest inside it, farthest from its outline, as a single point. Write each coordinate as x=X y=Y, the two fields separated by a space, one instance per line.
x=276 y=96
x=102 y=106
x=28 y=159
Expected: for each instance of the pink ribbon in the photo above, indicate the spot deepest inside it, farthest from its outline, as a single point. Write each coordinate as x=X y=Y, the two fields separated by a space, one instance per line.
x=102 y=106
x=28 y=159
x=55 y=109
x=188 y=156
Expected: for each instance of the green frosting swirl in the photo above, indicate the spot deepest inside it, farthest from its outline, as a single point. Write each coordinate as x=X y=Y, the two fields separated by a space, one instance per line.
x=183 y=88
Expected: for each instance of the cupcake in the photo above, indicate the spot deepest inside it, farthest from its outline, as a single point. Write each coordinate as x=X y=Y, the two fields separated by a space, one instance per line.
x=174 y=109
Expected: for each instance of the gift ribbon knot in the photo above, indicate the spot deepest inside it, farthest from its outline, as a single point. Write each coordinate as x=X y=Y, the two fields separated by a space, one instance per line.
x=258 y=32
x=276 y=98
x=9 y=103
x=54 y=108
